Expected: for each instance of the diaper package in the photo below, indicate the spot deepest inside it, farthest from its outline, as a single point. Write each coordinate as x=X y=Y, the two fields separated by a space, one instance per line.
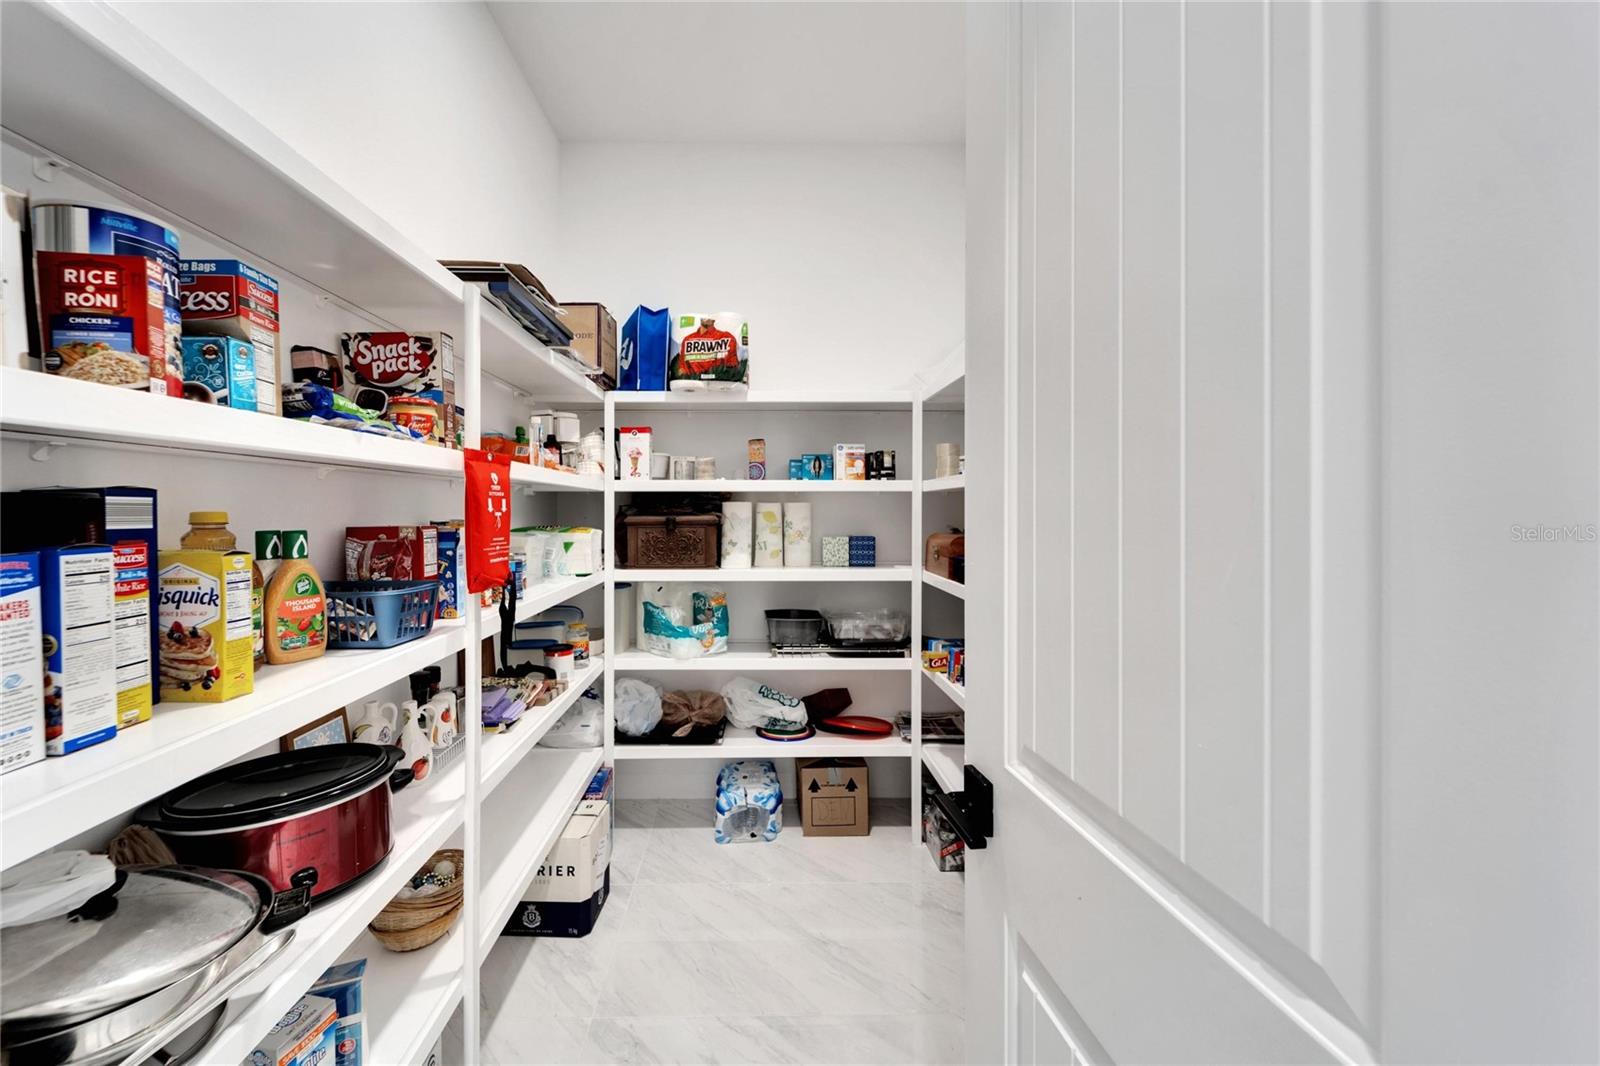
x=749 y=802
x=709 y=352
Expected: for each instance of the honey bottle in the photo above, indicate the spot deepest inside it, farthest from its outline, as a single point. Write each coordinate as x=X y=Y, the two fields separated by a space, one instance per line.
x=295 y=610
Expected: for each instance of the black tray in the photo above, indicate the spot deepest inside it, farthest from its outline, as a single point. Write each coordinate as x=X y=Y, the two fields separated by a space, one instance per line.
x=700 y=735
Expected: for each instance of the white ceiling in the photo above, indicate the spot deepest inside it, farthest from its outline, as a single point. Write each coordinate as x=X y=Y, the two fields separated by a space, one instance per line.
x=775 y=71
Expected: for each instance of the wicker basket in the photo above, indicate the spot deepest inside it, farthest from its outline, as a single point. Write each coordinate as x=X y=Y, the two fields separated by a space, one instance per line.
x=405 y=915
x=419 y=937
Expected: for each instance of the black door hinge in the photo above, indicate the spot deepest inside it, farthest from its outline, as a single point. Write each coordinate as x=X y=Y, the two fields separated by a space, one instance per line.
x=971 y=810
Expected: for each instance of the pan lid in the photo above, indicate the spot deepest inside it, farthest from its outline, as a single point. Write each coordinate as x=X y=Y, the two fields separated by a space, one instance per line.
x=275 y=786
x=152 y=927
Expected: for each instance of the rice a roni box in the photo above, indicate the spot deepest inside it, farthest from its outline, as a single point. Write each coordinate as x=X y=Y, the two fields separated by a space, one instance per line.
x=104 y=320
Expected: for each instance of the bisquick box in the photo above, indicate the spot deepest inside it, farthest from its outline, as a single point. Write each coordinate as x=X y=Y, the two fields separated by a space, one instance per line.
x=207 y=643
x=21 y=662
x=80 y=682
x=227 y=298
x=377 y=366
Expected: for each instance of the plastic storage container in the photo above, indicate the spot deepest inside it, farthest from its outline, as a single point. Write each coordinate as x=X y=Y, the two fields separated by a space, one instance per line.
x=379 y=614
x=793 y=625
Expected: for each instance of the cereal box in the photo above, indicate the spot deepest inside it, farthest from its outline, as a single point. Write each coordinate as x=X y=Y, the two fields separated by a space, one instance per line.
x=21 y=662
x=227 y=298
x=80 y=681
x=207 y=648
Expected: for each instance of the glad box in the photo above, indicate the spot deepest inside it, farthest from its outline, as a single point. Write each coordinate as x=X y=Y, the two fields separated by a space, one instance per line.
x=207 y=646
x=378 y=366
x=228 y=298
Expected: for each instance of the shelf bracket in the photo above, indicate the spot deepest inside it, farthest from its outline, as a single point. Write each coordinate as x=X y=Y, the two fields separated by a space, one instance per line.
x=42 y=451
x=323 y=472
x=44 y=168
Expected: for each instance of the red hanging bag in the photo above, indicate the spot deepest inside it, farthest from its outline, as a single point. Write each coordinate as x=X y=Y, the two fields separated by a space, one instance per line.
x=488 y=510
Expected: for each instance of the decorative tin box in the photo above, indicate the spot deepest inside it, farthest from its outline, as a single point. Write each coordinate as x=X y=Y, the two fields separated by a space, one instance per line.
x=672 y=542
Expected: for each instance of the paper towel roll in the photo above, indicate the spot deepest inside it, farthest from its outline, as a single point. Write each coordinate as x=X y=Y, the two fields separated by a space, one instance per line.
x=797 y=534
x=738 y=534
x=769 y=534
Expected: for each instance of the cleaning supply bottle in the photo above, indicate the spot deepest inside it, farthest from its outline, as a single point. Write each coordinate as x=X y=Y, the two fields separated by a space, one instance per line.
x=269 y=556
x=295 y=613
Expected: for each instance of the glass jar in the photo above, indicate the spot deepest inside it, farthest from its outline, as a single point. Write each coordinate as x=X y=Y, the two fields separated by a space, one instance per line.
x=208 y=531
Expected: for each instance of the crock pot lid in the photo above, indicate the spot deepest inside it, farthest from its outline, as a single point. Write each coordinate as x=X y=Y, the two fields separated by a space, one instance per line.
x=168 y=921
x=275 y=785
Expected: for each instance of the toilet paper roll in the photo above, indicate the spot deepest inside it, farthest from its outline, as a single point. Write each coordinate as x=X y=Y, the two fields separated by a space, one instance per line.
x=738 y=534
x=769 y=534
x=797 y=534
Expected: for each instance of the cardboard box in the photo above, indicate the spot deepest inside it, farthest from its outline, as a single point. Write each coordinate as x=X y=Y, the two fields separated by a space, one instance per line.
x=21 y=662
x=341 y=983
x=227 y=298
x=207 y=640
x=833 y=797
x=391 y=553
x=221 y=371
x=302 y=1037
x=381 y=366
x=594 y=336
x=570 y=887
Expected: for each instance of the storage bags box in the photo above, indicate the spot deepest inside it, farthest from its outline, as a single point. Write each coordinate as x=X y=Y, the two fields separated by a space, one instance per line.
x=570 y=887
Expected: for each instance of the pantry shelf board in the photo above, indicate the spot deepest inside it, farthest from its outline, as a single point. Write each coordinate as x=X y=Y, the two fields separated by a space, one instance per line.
x=945 y=762
x=954 y=483
x=543 y=478
x=782 y=485
x=407 y=996
x=425 y=814
x=57 y=410
x=541 y=596
x=541 y=795
x=184 y=145
x=944 y=584
x=772 y=574
x=745 y=744
x=511 y=354
x=756 y=657
x=799 y=400
x=54 y=800
x=503 y=751
x=957 y=693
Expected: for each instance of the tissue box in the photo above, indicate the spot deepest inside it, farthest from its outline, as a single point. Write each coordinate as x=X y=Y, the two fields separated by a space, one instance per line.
x=863 y=551
x=836 y=551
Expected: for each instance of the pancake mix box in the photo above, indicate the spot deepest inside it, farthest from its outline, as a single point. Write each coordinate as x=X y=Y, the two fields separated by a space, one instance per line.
x=207 y=647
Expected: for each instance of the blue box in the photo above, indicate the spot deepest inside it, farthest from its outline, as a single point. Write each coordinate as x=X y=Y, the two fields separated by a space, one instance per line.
x=341 y=983
x=642 y=353
x=225 y=367
x=863 y=551
x=797 y=469
x=80 y=686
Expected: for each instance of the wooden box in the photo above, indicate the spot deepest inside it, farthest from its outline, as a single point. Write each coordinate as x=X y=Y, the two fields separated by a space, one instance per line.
x=673 y=542
x=946 y=555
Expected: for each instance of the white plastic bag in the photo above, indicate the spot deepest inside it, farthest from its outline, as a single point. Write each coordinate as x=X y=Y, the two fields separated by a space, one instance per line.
x=580 y=727
x=751 y=704
x=681 y=622
x=638 y=706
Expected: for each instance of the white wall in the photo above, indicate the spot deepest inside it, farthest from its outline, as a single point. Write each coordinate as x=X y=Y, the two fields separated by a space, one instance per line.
x=847 y=260
x=418 y=108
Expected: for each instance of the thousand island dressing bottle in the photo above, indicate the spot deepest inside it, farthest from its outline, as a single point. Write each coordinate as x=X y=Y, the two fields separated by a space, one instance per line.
x=296 y=606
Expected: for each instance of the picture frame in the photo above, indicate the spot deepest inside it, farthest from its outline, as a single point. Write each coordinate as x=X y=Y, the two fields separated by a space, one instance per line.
x=331 y=728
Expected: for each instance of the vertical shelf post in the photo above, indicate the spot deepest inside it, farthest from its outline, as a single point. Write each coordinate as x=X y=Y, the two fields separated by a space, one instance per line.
x=469 y=389
x=916 y=615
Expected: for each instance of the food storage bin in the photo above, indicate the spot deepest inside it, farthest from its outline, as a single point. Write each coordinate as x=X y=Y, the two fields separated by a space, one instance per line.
x=881 y=626
x=379 y=614
x=791 y=625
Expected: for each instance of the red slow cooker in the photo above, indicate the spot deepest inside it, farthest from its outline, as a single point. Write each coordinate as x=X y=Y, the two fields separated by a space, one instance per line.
x=316 y=819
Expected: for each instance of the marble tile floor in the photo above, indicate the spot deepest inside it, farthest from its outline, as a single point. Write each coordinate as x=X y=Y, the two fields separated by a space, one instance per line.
x=802 y=950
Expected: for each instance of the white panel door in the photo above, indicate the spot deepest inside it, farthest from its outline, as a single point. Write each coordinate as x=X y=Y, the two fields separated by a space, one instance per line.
x=1172 y=596
x=1283 y=400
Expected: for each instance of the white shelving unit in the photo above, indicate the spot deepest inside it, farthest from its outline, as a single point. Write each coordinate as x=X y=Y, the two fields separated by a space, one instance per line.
x=137 y=126
x=941 y=395
x=745 y=744
x=747 y=657
x=772 y=487
x=773 y=574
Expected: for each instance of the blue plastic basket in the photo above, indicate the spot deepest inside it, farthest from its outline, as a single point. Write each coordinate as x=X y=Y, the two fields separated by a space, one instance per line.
x=379 y=614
